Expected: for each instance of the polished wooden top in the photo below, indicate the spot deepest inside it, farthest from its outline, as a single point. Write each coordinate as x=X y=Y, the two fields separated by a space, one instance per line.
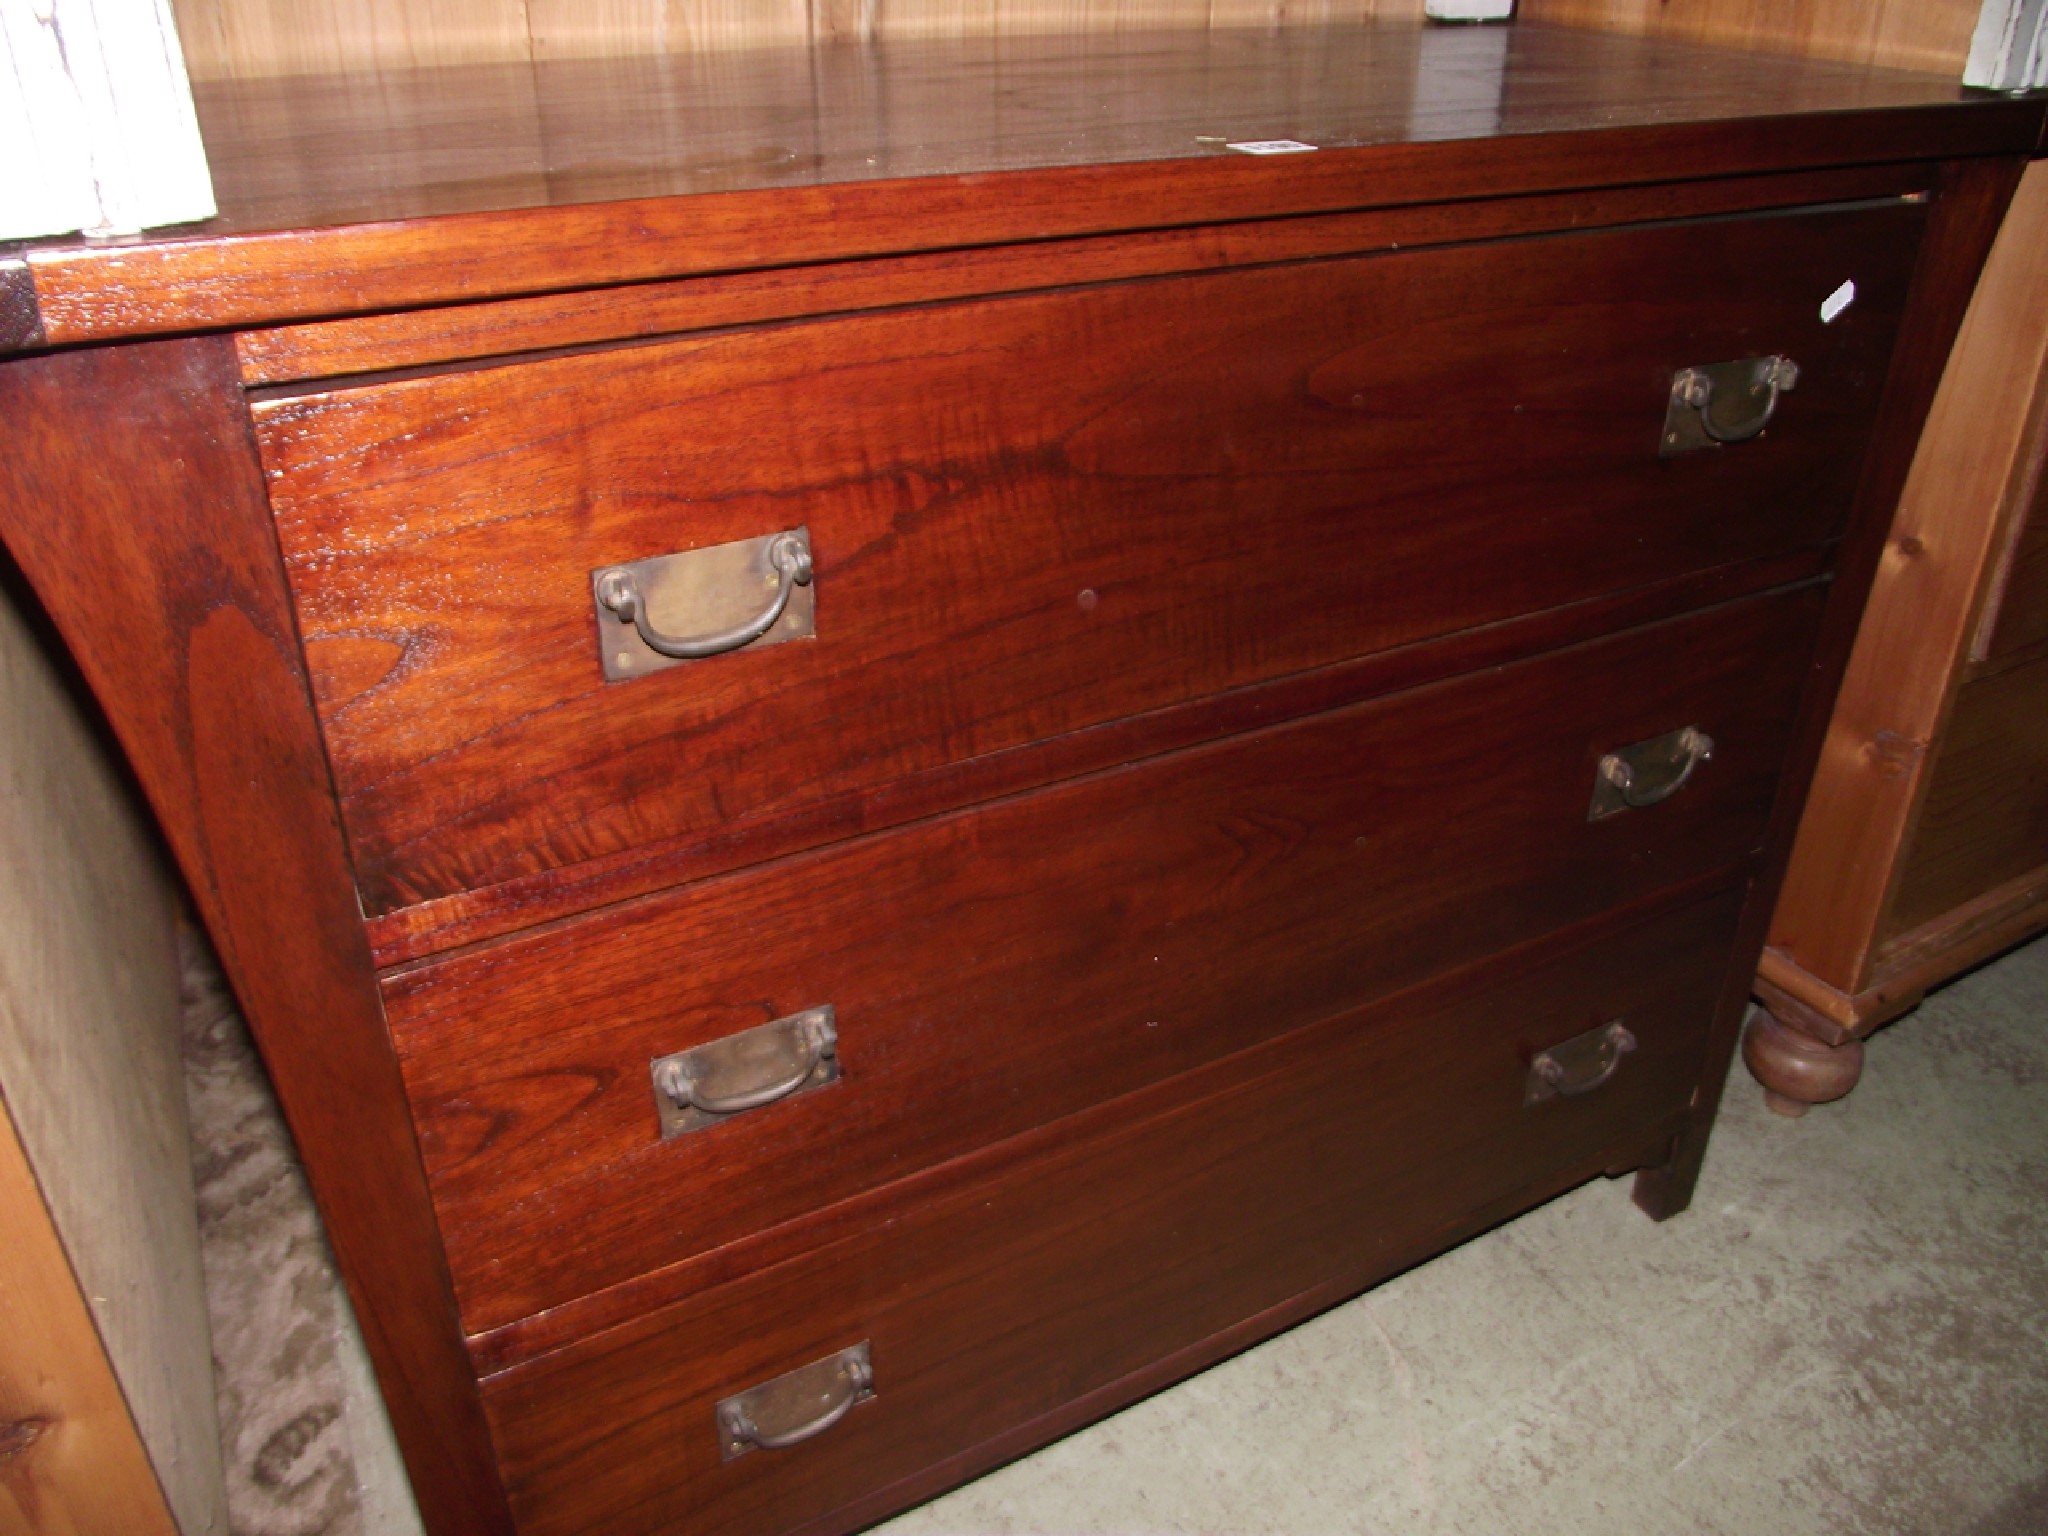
x=336 y=149
x=341 y=194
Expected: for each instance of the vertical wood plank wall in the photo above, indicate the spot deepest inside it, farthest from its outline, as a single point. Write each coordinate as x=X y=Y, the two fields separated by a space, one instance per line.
x=238 y=38
x=241 y=38
x=1899 y=34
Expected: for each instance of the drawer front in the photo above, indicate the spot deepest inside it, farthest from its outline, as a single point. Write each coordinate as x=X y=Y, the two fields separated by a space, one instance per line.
x=997 y=969
x=1029 y=515
x=1301 y=1171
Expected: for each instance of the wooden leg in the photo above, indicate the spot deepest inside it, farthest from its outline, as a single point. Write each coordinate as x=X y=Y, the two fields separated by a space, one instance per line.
x=1796 y=1069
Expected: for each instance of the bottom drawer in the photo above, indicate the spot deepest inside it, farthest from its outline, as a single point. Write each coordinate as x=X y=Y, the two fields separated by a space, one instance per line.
x=1103 y=1255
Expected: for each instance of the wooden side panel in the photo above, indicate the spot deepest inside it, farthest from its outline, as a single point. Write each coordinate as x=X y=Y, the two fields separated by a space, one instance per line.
x=2023 y=609
x=1985 y=820
x=131 y=499
x=1923 y=608
x=71 y=1460
x=90 y=1063
x=1897 y=34
x=2018 y=616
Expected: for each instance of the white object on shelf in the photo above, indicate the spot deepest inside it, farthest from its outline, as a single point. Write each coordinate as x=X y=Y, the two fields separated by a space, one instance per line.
x=96 y=119
x=2009 y=50
x=1468 y=10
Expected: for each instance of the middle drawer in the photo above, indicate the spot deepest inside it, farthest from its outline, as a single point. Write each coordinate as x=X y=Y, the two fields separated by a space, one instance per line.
x=995 y=969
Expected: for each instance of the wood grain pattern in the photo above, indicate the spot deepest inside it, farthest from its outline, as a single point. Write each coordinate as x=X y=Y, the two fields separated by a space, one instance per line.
x=1895 y=34
x=1984 y=820
x=90 y=1062
x=327 y=186
x=569 y=29
x=71 y=1460
x=131 y=498
x=2022 y=625
x=1160 y=460
x=1116 y=1244
x=1968 y=211
x=1920 y=959
x=374 y=343
x=416 y=932
x=254 y=38
x=2015 y=620
x=182 y=620
x=1053 y=950
x=249 y=38
x=21 y=323
x=1924 y=609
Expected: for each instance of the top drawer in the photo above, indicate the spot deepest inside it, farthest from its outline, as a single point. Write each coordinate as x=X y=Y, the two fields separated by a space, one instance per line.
x=1029 y=515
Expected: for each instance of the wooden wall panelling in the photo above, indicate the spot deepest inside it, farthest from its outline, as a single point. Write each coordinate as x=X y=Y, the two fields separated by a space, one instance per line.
x=1898 y=34
x=246 y=38
x=90 y=1064
x=71 y=1461
x=599 y=28
x=1969 y=210
x=131 y=500
x=242 y=38
x=1900 y=683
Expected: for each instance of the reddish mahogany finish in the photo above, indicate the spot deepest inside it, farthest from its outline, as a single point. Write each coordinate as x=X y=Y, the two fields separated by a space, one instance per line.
x=1974 y=196
x=1294 y=479
x=130 y=497
x=1046 y=953
x=1276 y=1179
x=352 y=194
x=327 y=348
x=1028 y=516
x=418 y=932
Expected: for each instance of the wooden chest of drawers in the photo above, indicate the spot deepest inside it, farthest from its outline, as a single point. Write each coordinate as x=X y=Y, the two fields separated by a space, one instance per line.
x=1307 y=669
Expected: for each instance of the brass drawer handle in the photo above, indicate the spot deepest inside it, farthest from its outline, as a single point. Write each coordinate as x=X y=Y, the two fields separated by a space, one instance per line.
x=797 y=1405
x=757 y=1066
x=789 y=556
x=1578 y=1065
x=1725 y=402
x=1649 y=772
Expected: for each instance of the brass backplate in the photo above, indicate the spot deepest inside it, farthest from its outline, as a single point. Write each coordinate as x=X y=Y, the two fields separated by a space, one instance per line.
x=1647 y=772
x=795 y=1405
x=700 y=591
x=1578 y=1065
x=1742 y=395
x=766 y=1054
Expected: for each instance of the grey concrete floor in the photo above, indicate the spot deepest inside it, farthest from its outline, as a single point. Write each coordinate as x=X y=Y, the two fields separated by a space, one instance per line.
x=1846 y=1334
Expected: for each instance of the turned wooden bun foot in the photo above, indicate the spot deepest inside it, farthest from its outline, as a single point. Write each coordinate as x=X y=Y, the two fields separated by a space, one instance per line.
x=1798 y=1071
